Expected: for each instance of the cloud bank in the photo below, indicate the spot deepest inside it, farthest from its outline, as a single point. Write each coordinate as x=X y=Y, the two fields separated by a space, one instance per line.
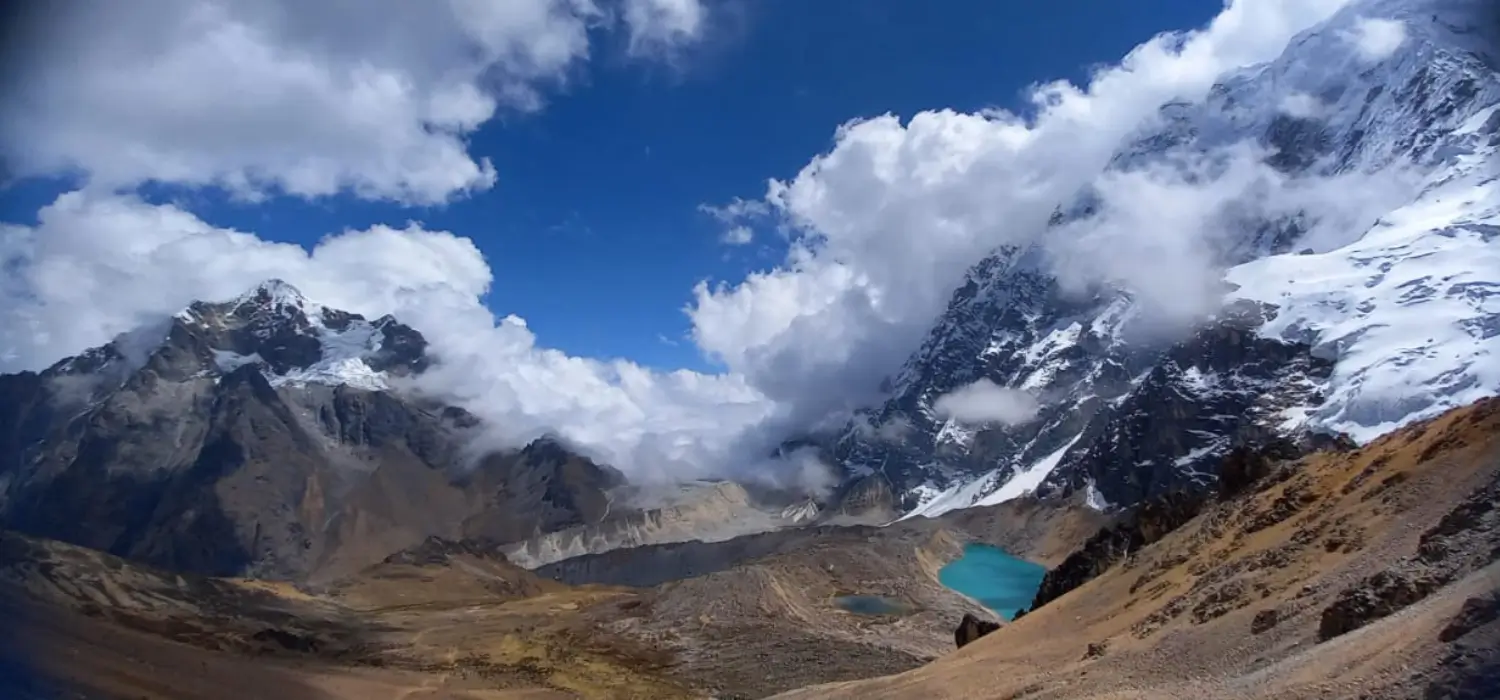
x=887 y=222
x=379 y=102
x=308 y=99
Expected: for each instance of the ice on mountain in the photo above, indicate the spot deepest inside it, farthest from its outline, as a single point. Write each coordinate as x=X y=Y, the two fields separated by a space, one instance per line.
x=273 y=293
x=1402 y=353
x=1028 y=480
x=1093 y=499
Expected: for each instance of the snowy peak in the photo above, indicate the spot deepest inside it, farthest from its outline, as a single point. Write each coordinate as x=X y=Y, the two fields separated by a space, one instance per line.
x=1335 y=321
x=274 y=327
x=271 y=294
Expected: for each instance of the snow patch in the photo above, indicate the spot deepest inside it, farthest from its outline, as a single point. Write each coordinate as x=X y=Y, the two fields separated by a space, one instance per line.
x=1027 y=481
x=964 y=495
x=1093 y=499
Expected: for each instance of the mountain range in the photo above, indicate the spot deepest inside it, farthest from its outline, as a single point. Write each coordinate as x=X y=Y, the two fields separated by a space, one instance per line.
x=259 y=437
x=1249 y=502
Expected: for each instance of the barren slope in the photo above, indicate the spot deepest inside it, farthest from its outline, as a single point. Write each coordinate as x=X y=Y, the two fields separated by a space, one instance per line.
x=1235 y=603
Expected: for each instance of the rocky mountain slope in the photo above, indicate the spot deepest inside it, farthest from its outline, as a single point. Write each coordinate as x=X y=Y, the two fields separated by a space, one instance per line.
x=261 y=437
x=1365 y=573
x=704 y=511
x=1371 y=573
x=1346 y=331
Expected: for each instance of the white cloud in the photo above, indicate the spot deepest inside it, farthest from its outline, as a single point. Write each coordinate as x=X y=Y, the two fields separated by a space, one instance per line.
x=888 y=221
x=737 y=210
x=98 y=265
x=987 y=403
x=894 y=430
x=376 y=98
x=1376 y=39
x=1302 y=106
x=884 y=225
x=736 y=216
x=662 y=25
x=739 y=235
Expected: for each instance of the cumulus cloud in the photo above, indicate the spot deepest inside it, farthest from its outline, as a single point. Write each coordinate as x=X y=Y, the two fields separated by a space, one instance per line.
x=663 y=25
x=887 y=222
x=1194 y=213
x=374 y=98
x=883 y=226
x=739 y=235
x=737 y=216
x=98 y=265
x=987 y=403
x=1377 y=38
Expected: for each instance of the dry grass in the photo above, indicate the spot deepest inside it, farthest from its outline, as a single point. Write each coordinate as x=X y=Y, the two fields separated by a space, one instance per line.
x=1177 y=616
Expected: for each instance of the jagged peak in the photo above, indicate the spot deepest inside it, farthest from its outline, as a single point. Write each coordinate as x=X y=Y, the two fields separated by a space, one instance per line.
x=272 y=292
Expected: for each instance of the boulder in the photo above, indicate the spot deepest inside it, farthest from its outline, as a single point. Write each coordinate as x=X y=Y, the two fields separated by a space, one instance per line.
x=972 y=628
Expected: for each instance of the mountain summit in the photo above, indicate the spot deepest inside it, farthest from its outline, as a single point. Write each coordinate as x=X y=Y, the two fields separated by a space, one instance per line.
x=260 y=436
x=1323 y=330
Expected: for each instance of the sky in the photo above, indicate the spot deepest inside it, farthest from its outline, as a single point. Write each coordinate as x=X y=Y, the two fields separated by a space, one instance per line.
x=600 y=190
x=672 y=231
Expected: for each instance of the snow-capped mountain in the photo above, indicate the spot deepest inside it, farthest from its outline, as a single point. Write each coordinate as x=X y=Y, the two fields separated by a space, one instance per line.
x=276 y=330
x=262 y=436
x=1353 y=331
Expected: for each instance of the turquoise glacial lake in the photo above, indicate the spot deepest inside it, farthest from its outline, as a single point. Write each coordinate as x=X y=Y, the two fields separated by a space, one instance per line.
x=999 y=581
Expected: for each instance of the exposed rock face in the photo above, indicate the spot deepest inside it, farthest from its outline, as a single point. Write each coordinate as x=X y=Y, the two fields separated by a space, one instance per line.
x=1371 y=599
x=870 y=497
x=256 y=437
x=708 y=511
x=1477 y=612
x=972 y=628
x=1144 y=525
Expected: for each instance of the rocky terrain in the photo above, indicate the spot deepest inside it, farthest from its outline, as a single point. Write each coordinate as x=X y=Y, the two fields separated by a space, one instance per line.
x=1293 y=498
x=700 y=511
x=759 y=615
x=260 y=437
x=1367 y=573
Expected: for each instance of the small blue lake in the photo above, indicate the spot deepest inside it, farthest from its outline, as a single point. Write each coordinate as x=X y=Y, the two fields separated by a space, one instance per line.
x=870 y=605
x=999 y=581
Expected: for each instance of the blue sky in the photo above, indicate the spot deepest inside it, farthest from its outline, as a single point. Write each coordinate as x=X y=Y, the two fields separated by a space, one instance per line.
x=573 y=144
x=593 y=229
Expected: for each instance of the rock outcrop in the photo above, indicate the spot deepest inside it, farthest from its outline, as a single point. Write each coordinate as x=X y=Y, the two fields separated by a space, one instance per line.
x=1139 y=527
x=972 y=628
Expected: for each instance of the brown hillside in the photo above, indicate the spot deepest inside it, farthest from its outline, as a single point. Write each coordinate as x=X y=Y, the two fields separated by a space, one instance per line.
x=1365 y=574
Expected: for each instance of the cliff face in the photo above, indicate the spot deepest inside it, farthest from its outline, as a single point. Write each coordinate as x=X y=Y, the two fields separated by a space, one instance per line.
x=706 y=511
